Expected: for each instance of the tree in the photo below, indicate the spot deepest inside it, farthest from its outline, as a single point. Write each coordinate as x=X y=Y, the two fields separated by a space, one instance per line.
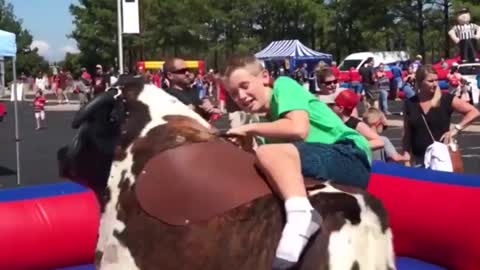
x=214 y=29
x=71 y=62
x=95 y=23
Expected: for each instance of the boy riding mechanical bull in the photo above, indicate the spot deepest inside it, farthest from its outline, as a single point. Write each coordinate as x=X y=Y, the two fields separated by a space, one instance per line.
x=176 y=195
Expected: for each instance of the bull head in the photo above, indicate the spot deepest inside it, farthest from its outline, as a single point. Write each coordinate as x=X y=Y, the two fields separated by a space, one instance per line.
x=87 y=159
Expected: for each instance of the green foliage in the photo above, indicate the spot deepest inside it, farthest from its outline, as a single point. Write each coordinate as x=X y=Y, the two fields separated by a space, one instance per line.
x=214 y=29
x=95 y=24
x=71 y=62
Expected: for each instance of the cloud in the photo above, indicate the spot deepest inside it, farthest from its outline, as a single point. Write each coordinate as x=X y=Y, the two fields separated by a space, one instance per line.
x=69 y=49
x=53 y=53
x=42 y=46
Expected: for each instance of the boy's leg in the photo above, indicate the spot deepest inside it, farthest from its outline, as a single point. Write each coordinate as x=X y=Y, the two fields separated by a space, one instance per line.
x=37 y=120
x=408 y=90
x=384 y=101
x=42 y=117
x=65 y=94
x=281 y=164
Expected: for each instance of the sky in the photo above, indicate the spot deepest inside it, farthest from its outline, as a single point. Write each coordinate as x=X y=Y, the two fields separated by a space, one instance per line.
x=49 y=21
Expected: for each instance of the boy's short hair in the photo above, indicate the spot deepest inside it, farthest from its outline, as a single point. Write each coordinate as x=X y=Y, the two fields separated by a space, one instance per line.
x=249 y=62
x=39 y=92
x=373 y=115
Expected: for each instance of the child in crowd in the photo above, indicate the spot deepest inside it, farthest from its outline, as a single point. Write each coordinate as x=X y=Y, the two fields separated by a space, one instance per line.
x=310 y=141
x=39 y=106
x=343 y=104
x=377 y=121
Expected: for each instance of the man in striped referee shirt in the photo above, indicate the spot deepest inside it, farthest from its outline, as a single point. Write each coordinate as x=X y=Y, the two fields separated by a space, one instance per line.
x=466 y=34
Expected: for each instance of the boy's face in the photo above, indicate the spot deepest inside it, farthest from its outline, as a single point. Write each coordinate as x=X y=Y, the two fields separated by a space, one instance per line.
x=248 y=90
x=380 y=124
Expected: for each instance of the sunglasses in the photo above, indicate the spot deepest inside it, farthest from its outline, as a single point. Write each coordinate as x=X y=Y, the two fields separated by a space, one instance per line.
x=330 y=82
x=180 y=71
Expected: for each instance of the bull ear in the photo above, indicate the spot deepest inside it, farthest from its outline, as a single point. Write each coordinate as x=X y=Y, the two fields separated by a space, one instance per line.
x=104 y=99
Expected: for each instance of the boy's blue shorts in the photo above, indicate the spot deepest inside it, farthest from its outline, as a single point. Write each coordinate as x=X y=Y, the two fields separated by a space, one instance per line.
x=342 y=163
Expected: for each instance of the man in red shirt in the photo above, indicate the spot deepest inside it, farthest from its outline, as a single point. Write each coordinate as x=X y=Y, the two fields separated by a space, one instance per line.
x=62 y=87
x=39 y=106
x=335 y=69
x=355 y=81
x=85 y=75
x=100 y=81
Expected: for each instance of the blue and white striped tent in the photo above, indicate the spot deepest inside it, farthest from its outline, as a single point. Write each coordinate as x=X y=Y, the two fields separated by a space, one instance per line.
x=292 y=49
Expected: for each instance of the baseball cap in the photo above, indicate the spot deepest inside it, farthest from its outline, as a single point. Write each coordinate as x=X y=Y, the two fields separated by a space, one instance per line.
x=347 y=99
x=98 y=66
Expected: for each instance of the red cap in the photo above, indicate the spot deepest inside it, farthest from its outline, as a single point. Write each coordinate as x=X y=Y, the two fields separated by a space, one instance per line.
x=347 y=99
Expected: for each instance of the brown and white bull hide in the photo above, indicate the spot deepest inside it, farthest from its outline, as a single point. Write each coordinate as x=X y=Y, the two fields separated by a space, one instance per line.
x=355 y=234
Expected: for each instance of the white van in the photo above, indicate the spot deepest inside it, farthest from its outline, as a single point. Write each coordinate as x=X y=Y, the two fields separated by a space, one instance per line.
x=356 y=60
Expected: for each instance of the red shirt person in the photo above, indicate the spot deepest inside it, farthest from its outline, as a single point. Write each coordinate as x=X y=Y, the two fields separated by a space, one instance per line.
x=39 y=103
x=100 y=81
x=39 y=107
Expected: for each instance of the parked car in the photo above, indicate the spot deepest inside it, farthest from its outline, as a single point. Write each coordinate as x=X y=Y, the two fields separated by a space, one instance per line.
x=469 y=71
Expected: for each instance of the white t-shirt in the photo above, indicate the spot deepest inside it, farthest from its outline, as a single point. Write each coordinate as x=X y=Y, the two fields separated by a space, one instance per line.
x=113 y=80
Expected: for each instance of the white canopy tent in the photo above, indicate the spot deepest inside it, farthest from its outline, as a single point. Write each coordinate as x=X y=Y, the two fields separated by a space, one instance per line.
x=8 y=48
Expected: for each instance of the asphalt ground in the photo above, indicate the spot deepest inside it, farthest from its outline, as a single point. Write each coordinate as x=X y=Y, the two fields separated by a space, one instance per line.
x=38 y=148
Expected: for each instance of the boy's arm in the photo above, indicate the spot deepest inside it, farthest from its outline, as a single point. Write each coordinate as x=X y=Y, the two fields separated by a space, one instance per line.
x=392 y=153
x=293 y=126
x=373 y=139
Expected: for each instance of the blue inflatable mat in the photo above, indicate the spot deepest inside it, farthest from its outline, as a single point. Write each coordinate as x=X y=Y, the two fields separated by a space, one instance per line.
x=405 y=263
x=80 y=267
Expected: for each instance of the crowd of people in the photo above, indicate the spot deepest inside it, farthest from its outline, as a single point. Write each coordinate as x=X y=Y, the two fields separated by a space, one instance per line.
x=64 y=83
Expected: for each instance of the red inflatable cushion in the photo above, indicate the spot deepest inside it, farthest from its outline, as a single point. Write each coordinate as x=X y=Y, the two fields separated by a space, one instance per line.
x=55 y=229
x=434 y=215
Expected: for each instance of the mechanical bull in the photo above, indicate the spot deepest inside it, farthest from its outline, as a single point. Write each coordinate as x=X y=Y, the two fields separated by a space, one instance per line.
x=175 y=195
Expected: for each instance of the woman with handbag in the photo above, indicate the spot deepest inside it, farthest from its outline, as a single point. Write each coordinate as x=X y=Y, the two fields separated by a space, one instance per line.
x=427 y=117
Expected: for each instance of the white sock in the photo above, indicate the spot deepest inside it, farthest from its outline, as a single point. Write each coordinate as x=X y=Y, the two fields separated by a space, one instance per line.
x=302 y=222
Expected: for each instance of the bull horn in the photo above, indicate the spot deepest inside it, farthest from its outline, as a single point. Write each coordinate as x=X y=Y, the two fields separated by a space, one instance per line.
x=104 y=99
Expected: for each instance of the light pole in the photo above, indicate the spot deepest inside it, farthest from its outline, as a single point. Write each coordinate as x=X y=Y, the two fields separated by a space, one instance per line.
x=120 y=38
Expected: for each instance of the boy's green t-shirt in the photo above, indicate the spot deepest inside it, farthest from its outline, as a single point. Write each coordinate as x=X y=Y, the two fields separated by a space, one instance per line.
x=325 y=126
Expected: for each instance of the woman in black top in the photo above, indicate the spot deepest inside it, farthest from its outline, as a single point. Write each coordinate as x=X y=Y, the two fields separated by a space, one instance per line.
x=437 y=108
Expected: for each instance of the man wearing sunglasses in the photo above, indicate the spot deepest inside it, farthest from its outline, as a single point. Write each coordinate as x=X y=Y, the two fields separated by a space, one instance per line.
x=180 y=82
x=179 y=79
x=328 y=86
